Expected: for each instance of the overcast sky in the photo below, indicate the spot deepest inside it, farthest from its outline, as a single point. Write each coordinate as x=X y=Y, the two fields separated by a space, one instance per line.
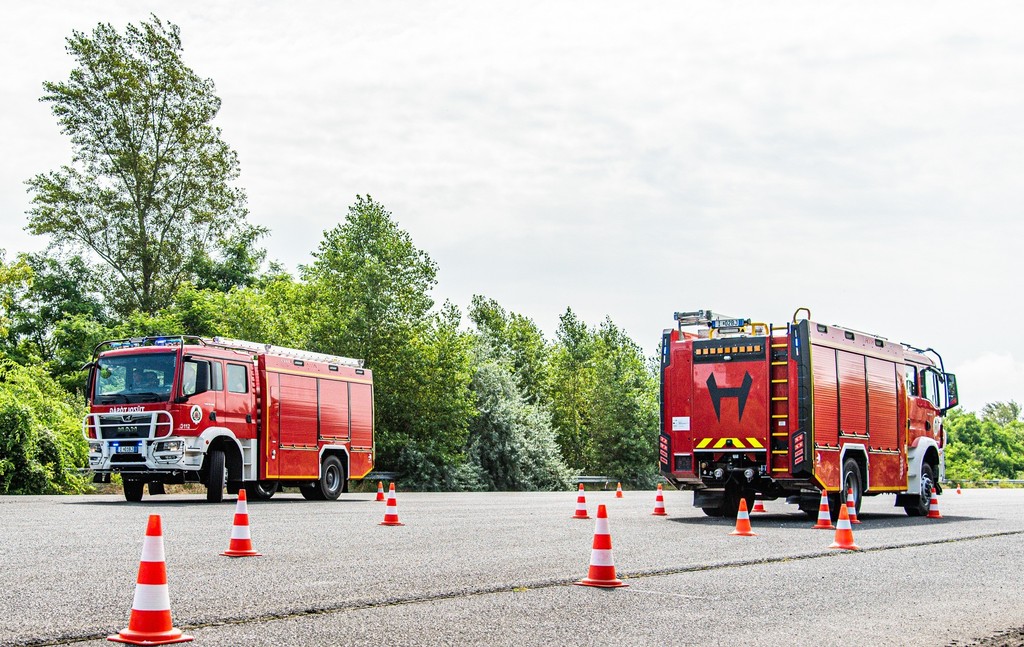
x=865 y=160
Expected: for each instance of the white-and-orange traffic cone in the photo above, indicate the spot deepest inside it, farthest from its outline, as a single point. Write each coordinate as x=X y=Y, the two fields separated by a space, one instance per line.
x=824 y=519
x=958 y=489
x=759 y=506
x=933 y=506
x=851 y=506
x=581 y=504
x=618 y=491
x=391 y=511
x=659 y=504
x=150 y=620
x=743 y=528
x=602 y=566
x=844 y=532
x=380 y=490
x=241 y=542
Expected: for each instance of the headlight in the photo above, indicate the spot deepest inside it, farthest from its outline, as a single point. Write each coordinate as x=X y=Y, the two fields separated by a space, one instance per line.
x=171 y=446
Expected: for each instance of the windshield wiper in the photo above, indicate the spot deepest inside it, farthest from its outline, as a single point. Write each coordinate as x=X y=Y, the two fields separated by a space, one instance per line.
x=113 y=398
x=146 y=395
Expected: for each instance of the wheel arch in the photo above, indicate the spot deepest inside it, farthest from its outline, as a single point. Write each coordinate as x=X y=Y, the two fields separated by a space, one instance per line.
x=859 y=453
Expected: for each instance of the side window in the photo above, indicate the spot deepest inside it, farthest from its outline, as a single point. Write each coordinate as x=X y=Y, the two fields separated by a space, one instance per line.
x=195 y=376
x=238 y=378
x=933 y=387
x=217 y=375
x=910 y=375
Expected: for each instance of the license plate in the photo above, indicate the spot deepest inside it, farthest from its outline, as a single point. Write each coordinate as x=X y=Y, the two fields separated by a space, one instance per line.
x=128 y=449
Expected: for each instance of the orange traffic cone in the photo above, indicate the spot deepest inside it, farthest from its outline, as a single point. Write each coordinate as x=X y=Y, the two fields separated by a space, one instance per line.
x=933 y=506
x=581 y=505
x=618 y=491
x=851 y=506
x=743 y=521
x=824 y=519
x=602 y=567
x=844 y=532
x=150 y=620
x=241 y=543
x=958 y=489
x=391 y=511
x=380 y=490
x=759 y=506
x=659 y=504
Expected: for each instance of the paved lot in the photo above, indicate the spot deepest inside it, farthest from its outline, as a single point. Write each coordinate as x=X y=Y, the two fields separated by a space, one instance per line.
x=497 y=568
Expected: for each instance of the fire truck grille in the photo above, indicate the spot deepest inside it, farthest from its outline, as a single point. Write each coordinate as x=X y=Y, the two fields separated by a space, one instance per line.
x=138 y=426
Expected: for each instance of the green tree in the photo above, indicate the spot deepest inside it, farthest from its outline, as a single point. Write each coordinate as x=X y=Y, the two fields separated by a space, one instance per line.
x=624 y=423
x=41 y=441
x=982 y=448
x=571 y=382
x=511 y=443
x=369 y=297
x=60 y=288
x=518 y=340
x=1001 y=413
x=149 y=187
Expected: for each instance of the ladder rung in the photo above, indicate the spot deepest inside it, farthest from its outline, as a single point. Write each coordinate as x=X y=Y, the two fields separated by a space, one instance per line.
x=782 y=381
x=778 y=363
x=780 y=399
x=780 y=435
x=778 y=345
x=780 y=415
x=780 y=451
x=779 y=469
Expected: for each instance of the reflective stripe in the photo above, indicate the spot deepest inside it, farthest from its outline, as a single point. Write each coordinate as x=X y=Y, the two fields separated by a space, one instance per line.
x=240 y=532
x=153 y=548
x=151 y=597
x=601 y=528
x=601 y=558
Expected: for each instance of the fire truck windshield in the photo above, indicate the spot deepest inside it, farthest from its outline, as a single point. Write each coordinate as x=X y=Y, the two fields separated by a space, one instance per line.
x=134 y=378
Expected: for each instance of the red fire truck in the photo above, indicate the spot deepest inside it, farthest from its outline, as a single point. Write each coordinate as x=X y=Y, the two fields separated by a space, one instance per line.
x=227 y=413
x=756 y=410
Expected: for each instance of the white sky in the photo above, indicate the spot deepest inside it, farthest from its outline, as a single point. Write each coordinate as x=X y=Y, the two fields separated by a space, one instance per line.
x=624 y=159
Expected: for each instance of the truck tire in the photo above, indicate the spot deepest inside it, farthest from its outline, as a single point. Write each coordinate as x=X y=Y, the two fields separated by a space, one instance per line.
x=712 y=512
x=311 y=492
x=261 y=490
x=852 y=480
x=133 y=490
x=215 y=476
x=332 y=478
x=919 y=507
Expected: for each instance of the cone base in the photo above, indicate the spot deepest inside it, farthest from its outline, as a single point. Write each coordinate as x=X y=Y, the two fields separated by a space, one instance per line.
x=844 y=546
x=618 y=495
x=580 y=516
x=241 y=553
x=743 y=533
x=380 y=498
x=659 y=514
x=391 y=523
x=601 y=584
x=168 y=637
x=934 y=516
x=819 y=526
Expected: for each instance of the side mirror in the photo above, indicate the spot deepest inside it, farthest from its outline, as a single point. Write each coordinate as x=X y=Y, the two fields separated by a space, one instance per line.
x=951 y=395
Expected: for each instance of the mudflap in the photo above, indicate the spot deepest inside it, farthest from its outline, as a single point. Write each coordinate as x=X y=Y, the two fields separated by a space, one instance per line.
x=708 y=498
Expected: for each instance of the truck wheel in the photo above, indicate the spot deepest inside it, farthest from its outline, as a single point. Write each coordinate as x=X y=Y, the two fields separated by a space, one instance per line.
x=332 y=478
x=261 y=490
x=712 y=512
x=311 y=492
x=215 y=476
x=920 y=507
x=133 y=490
x=731 y=504
x=852 y=480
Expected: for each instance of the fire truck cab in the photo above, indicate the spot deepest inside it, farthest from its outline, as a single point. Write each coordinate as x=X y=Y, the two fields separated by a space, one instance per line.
x=752 y=410
x=228 y=414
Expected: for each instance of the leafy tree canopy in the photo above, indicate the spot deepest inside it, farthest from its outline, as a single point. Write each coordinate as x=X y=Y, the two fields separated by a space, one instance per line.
x=149 y=187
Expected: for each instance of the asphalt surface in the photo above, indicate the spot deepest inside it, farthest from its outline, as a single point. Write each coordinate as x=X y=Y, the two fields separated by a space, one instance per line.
x=497 y=569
